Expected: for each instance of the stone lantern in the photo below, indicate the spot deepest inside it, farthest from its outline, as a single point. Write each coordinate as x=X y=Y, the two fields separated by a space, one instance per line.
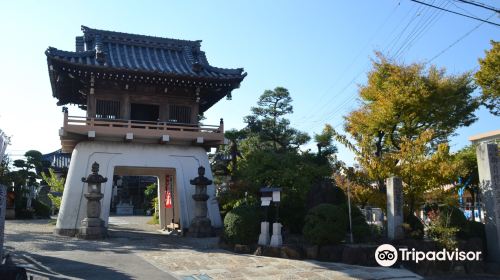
x=201 y=226
x=92 y=226
x=270 y=195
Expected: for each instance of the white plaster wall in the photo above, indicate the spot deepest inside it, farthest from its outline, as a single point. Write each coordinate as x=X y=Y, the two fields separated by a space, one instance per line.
x=184 y=159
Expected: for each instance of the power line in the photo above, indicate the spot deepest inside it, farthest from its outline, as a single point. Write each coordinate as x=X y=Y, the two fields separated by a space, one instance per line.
x=481 y=5
x=458 y=40
x=458 y=7
x=419 y=30
x=457 y=13
x=310 y=115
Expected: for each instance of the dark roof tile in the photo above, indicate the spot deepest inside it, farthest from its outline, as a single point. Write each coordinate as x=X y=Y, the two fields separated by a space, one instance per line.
x=123 y=51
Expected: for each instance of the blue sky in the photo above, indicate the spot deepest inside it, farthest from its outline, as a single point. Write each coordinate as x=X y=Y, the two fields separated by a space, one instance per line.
x=319 y=50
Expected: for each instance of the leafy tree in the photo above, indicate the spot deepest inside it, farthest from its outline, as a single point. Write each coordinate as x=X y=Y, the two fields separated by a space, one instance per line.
x=56 y=184
x=30 y=168
x=5 y=179
x=469 y=175
x=488 y=78
x=422 y=168
x=324 y=141
x=360 y=188
x=268 y=125
x=399 y=103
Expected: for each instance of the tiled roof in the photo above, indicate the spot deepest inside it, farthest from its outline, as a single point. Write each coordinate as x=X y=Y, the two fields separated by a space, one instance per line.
x=130 y=52
x=58 y=160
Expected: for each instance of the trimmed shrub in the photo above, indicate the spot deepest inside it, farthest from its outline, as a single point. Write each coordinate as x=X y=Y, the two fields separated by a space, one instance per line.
x=242 y=225
x=41 y=209
x=325 y=224
x=325 y=191
x=413 y=227
x=292 y=213
x=360 y=228
x=473 y=229
x=451 y=216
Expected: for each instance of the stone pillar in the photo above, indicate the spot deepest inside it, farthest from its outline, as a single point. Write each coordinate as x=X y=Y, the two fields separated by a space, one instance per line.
x=3 y=207
x=264 y=234
x=276 y=239
x=394 y=208
x=201 y=226
x=92 y=226
x=488 y=163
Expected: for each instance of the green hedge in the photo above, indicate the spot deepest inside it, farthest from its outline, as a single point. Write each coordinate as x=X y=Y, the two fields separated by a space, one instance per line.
x=451 y=216
x=415 y=227
x=325 y=224
x=41 y=210
x=242 y=225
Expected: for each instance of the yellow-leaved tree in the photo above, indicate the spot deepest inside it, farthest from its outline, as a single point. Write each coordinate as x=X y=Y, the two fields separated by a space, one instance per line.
x=56 y=184
x=406 y=115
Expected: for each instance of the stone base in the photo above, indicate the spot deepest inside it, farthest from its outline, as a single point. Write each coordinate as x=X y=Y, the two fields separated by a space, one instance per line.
x=276 y=239
x=71 y=232
x=264 y=234
x=201 y=227
x=92 y=222
x=92 y=233
x=92 y=229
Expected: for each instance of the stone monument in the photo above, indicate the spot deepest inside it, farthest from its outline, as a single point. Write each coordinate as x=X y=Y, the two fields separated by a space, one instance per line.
x=3 y=207
x=394 y=208
x=92 y=226
x=488 y=163
x=201 y=226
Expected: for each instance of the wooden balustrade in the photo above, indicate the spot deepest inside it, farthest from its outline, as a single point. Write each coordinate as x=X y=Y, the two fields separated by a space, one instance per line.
x=131 y=124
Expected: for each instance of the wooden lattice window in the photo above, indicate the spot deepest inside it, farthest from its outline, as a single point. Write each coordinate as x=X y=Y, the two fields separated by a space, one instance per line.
x=107 y=109
x=179 y=113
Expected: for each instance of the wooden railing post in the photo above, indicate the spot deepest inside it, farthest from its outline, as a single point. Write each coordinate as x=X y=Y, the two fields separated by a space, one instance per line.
x=65 y=118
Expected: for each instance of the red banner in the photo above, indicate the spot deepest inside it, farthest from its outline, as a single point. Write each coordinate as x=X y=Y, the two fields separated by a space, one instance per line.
x=168 y=199
x=168 y=195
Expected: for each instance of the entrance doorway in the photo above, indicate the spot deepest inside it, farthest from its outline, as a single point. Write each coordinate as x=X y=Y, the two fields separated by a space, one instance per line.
x=131 y=191
x=144 y=112
x=128 y=197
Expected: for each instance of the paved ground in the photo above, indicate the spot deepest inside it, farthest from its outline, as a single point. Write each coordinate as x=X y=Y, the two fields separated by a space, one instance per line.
x=136 y=250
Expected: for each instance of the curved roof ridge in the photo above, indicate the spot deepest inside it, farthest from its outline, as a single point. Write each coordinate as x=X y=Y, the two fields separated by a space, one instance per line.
x=87 y=30
x=203 y=59
x=51 y=51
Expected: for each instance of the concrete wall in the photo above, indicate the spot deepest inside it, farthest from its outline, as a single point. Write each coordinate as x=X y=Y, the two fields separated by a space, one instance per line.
x=183 y=159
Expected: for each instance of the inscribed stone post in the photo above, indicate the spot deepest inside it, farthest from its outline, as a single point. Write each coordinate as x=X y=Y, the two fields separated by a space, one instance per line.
x=394 y=208
x=488 y=162
x=3 y=204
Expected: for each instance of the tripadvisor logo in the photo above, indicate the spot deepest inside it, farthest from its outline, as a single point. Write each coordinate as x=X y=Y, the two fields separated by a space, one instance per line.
x=387 y=255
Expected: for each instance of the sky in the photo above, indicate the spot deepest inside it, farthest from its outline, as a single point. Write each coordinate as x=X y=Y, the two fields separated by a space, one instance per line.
x=320 y=51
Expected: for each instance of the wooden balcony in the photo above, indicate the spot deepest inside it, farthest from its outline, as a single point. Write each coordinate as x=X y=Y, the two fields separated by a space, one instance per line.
x=76 y=129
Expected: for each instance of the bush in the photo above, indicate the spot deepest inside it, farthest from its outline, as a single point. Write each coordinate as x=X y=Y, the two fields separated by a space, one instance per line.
x=242 y=225
x=360 y=228
x=451 y=216
x=413 y=227
x=292 y=213
x=41 y=210
x=155 y=219
x=325 y=191
x=325 y=224
x=473 y=229
x=444 y=235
